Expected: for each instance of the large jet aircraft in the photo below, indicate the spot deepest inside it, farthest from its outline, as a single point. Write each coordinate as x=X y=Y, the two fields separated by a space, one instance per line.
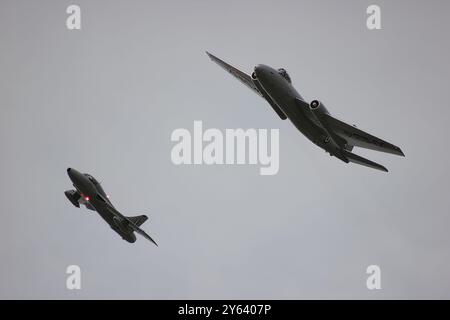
x=90 y=193
x=312 y=119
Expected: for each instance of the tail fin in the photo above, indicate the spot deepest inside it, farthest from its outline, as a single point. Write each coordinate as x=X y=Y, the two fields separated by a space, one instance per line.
x=363 y=161
x=138 y=220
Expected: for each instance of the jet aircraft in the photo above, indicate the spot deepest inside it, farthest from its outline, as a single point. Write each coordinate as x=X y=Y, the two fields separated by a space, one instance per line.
x=89 y=193
x=312 y=119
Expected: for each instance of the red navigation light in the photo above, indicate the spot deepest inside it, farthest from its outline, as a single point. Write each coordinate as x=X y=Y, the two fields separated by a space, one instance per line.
x=87 y=198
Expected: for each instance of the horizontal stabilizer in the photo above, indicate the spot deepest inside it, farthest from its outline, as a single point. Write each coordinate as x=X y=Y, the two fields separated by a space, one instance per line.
x=135 y=222
x=363 y=161
x=142 y=233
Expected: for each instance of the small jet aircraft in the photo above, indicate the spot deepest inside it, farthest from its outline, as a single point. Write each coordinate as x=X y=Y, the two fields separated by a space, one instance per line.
x=312 y=119
x=90 y=193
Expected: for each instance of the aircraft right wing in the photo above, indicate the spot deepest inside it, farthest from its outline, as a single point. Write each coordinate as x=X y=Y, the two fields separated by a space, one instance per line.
x=336 y=147
x=359 y=138
x=363 y=161
x=247 y=80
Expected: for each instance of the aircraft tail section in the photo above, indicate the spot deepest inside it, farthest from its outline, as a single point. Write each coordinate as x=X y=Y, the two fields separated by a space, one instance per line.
x=142 y=233
x=363 y=161
x=138 y=220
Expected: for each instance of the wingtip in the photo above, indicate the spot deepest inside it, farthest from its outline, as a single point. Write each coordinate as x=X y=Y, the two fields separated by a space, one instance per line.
x=363 y=161
x=152 y=240
x=398 y=151
x=380 y=167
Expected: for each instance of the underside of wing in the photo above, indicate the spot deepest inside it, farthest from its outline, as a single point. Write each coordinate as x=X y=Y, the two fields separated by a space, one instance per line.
x=359 y=138
x=363 y=161
x=241 y=76
x=247 y=80
x=272 y=103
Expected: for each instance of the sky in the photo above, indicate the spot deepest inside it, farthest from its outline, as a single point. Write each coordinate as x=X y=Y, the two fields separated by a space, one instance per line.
x=105 y=100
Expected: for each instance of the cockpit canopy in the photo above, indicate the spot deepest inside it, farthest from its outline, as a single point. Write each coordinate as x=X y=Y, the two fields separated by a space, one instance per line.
x=284 y=74
x=92 y=179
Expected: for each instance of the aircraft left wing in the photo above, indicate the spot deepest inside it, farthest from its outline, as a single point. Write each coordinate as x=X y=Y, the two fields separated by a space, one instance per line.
x=249 y=82
x=241 y=76
x=359 y=138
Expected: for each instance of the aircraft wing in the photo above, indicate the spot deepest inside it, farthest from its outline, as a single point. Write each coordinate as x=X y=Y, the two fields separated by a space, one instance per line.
x=359 y=138
x=363 y=161
x=241 y=76
x=248 y=81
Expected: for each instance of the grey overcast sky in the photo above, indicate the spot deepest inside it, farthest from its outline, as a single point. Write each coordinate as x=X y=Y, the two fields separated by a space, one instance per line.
x=106 y=99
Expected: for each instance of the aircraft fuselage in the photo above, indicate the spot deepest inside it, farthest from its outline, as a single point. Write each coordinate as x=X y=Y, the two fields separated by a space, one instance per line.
x=285 y=95
x=92 y=195
x=312 y=119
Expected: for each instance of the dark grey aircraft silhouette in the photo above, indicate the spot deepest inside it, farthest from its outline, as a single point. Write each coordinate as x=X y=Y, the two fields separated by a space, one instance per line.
x=312 y=119
x=90 y=193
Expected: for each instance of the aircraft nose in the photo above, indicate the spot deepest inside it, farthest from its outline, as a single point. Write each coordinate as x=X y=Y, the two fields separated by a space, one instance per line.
x=72 y=173
x=259 y=71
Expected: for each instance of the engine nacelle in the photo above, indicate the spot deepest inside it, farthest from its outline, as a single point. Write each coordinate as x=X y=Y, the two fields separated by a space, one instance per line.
x=317 y=106
x=314 y=104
